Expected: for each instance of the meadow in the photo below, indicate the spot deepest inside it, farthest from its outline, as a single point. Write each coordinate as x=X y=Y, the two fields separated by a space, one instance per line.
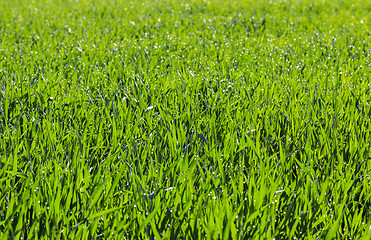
x=175 y=119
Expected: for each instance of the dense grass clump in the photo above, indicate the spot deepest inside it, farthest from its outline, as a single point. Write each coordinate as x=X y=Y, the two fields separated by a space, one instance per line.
x=185 y=119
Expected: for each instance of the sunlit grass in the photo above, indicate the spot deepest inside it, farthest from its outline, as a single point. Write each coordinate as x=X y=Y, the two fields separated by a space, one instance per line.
x=185 y=119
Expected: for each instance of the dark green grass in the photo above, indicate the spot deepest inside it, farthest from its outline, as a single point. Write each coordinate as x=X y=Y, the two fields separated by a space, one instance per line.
x=180 y=120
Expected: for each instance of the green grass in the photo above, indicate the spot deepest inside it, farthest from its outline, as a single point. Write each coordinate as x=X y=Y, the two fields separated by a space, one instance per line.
x=185 y=119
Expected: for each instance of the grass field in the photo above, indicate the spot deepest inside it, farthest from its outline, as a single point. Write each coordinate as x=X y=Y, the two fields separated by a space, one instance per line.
x=185 y=119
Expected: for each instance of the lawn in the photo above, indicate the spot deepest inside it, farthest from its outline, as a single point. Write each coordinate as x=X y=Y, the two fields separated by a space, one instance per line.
x=175 y=119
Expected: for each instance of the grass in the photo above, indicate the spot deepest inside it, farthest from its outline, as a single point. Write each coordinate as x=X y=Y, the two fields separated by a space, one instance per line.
x=185 y=119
